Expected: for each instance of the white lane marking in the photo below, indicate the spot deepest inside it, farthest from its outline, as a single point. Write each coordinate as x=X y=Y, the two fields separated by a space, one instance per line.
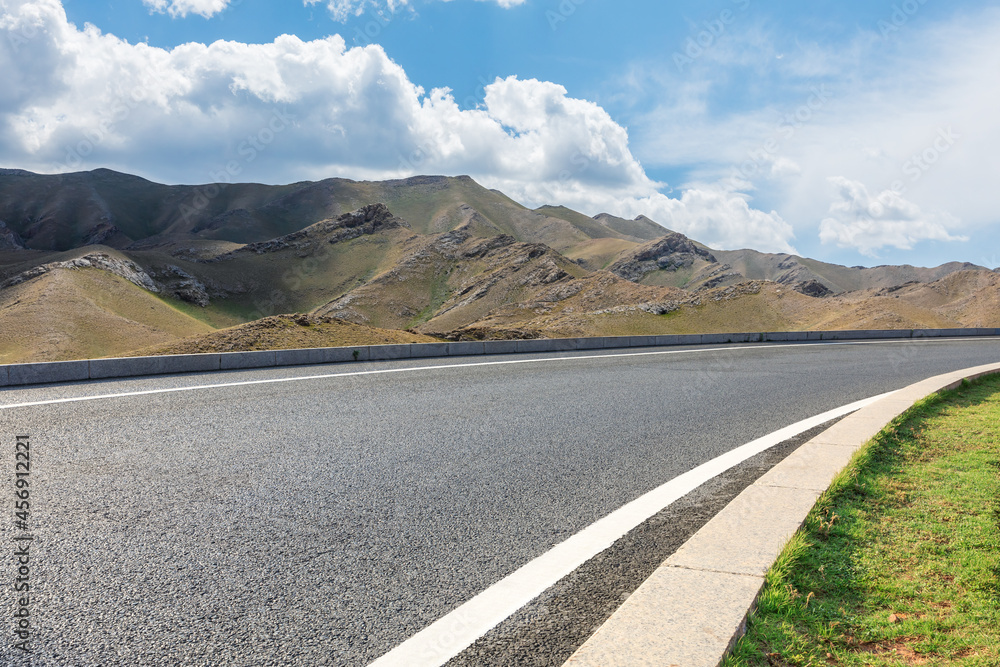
x=305 y=378
x=453 y=633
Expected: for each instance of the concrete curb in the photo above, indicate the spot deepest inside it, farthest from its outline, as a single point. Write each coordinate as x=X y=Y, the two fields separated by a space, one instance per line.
x=122 y=367
x=694 y=607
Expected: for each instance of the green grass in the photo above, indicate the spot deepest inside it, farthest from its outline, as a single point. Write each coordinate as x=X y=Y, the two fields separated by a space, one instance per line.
x=439 y=294
x=899 y=562
x=218 y=315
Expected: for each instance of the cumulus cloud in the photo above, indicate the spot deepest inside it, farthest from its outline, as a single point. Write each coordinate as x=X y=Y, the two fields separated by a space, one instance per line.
x=719 y=217
x=291 y=110
x=181 y=8
x=858 y=220
x=341 y=10
x=870 y=107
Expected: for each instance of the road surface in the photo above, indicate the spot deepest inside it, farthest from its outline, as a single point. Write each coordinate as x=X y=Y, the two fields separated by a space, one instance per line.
x=323 y=515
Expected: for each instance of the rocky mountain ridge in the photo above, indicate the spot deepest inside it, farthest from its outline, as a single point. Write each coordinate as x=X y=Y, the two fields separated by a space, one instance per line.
x=437 y=256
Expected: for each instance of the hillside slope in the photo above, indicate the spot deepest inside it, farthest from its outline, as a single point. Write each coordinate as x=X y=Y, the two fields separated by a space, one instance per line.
x=446 y=281
x=57 y=213
x=962 y=299
x=679 y=261
x=102 y=263
x=84 y=313
x=790 y=269
x=283 y=332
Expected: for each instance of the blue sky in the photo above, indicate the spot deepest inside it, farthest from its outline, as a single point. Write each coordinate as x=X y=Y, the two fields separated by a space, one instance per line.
x=853 y=132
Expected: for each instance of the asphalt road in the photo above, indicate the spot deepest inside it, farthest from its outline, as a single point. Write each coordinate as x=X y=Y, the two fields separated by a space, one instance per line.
x=325 y=520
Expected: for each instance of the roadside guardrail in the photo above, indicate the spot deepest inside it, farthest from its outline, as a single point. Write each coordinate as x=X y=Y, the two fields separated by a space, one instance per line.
x=12 y=375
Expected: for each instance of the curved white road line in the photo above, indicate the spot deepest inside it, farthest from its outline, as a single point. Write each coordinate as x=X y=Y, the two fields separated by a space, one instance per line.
x=453 y=633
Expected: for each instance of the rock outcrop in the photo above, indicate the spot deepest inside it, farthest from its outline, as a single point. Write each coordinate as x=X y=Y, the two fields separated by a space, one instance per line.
x=465 y=274
x=9 y=239
x=123 y=268
x=102 y=234
x=364 y=221
x=177 y=282
x=670 y=253
x=813 y=288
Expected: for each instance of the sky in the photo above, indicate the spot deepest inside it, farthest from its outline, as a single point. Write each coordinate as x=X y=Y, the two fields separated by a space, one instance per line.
x=860 y=133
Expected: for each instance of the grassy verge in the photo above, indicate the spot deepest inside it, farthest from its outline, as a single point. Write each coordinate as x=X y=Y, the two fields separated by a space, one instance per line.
x=899 y=562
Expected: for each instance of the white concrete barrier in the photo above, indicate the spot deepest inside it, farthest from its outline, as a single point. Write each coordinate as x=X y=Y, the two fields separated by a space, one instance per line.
x=463 y=349
x=536 y=345
x=389 y=352
x=135 y=366
x=304 y=357
x=419 y=350
x=500 y=346
x=230 y=361
x=48 y=371
x=13 y=375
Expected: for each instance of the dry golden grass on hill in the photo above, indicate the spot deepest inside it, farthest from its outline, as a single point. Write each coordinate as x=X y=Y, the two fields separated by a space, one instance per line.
x=84 y=313
x=615 y=307
x=88 y=313
x=409 y=260
x=970 y=297
x=284 y=332
x=599 y=253
x=964 y=299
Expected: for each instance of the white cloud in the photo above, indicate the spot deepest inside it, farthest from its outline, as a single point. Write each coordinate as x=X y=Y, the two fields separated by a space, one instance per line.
x=181 y=8
x=341 y=10
x=858 y=220
x=719 y=218
x=292 y=110
x=782 y=166
x=885 y=103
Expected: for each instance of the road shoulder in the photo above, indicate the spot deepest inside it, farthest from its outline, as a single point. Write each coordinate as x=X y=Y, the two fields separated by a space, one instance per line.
x=707 y=610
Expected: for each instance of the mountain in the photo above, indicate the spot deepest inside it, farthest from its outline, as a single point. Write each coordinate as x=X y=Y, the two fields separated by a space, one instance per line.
x=285 y=332
x=790 y=269
x=678 y=261
x=85 y=306
x=103 y=263
x=61 y=212
x=962 y=299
